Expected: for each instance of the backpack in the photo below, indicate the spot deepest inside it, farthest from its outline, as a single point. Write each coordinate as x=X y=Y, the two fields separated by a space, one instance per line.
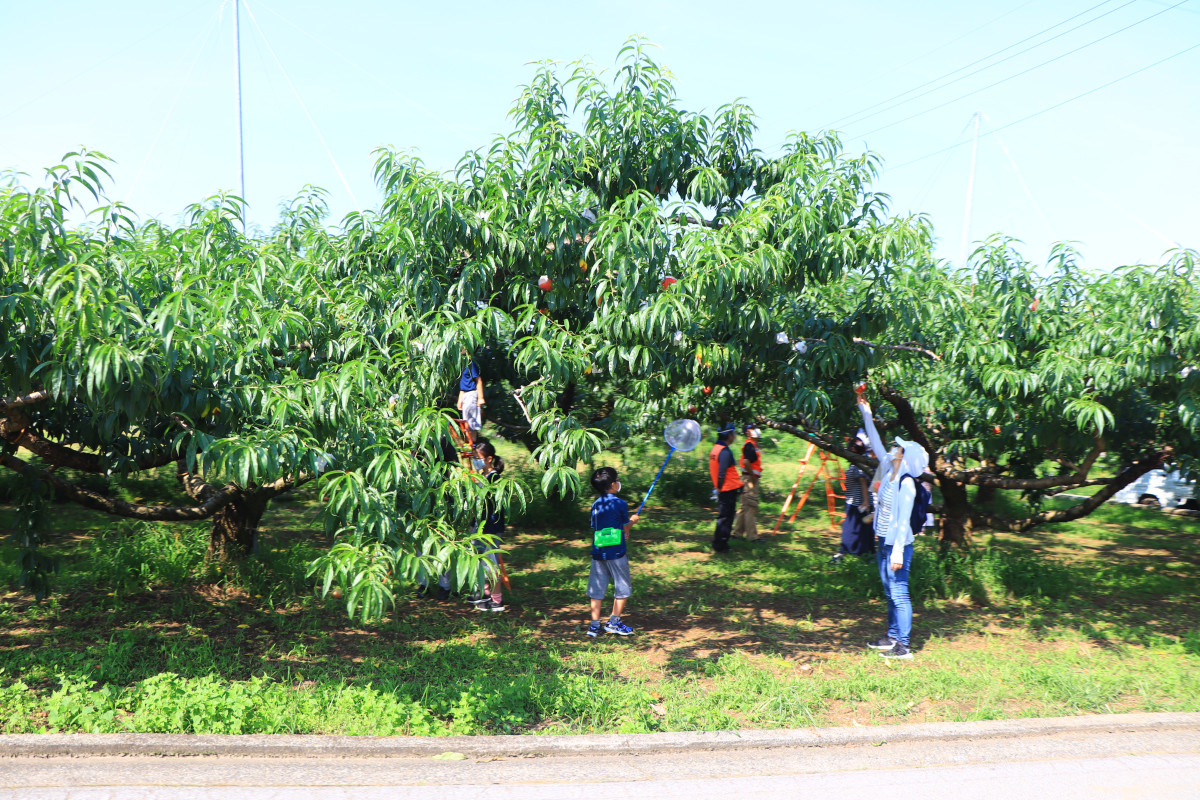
x=921 y=505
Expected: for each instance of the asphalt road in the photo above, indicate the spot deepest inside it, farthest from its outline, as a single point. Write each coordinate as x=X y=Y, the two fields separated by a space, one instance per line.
x=1078 y=764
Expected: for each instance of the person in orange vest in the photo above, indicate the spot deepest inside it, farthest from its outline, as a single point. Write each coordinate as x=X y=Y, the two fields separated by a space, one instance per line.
x=745 y=525
x=722 y=466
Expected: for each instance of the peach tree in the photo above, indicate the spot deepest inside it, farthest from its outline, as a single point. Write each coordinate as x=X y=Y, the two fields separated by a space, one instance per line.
x=671 y=254
x=1031 y=381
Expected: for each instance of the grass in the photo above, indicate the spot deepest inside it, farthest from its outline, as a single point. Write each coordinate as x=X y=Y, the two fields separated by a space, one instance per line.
x=1097 y=616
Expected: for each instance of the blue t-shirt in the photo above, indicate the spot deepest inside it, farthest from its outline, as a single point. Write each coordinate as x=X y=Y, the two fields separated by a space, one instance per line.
x=466 y=383
x=609 y=511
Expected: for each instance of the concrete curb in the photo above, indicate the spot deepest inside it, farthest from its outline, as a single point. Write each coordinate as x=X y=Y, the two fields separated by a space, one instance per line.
x=284 y=745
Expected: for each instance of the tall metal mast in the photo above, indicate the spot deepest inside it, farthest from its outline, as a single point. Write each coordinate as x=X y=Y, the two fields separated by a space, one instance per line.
x=237 y=48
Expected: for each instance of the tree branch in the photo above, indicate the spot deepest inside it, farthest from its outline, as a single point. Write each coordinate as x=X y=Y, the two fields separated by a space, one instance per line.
x=98 y=502
x=24 y=400
x=1092 y=482
x=692 y=220
x=995 y=480
x=14 y=428
x=982 y=476
x=910 y=347
x=820 y=441
x=1153 y=460
x=908 y=418
x=517 y=395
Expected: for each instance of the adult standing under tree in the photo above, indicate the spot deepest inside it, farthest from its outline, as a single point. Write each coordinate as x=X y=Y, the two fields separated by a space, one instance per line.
x=857 y=537
x=906 y=462
x=723 y=468
x=745 y=524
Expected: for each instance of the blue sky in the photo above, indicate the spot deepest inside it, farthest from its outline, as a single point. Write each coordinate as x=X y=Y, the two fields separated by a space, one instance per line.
x=152 y=85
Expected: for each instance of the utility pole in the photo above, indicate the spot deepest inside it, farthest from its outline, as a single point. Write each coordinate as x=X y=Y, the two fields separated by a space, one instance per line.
x=237 y=49
x=966 y=231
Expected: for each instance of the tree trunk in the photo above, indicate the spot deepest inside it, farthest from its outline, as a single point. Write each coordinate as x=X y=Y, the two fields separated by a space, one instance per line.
x=956 y=514
x=985 y=496
x=234 y=533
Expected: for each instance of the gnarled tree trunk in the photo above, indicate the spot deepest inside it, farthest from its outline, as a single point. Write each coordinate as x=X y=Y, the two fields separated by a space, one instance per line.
x=956 y=514
x=234 y=532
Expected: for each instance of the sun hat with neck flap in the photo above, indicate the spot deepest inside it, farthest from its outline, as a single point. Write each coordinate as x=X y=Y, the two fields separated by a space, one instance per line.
x=915 y=461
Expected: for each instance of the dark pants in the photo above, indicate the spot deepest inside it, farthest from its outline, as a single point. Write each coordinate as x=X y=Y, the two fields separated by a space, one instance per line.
x=726 y=511
x=857 y=537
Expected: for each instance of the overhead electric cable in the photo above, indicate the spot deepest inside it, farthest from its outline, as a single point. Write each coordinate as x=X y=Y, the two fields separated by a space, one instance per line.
x=824 y=101
x=1157 y=233
x=1022 y=72
x=1051 y=108
x=937 y=173
x=977 y=29
x=1188 y=10
x=374 y=76
x=986 y=67
x=300 y=100
x=206 y=33
x=1028 y=192
x=93 y=64
x=853 y=115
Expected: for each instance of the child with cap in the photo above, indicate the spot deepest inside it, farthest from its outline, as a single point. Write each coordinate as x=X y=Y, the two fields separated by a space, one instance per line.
x=611 y=522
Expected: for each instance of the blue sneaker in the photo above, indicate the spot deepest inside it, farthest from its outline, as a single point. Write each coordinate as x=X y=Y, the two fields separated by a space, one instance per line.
x=616 y=626
x=594 y=629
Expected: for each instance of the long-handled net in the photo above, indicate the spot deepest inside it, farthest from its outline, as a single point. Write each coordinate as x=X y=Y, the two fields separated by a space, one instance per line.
x=682 y=434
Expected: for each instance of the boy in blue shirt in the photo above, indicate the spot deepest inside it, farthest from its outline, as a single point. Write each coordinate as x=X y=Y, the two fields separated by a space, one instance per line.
x=611 y=522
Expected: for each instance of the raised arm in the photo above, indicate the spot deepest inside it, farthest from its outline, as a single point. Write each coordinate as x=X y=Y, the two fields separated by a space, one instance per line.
x=869 y=426
x=906 y=494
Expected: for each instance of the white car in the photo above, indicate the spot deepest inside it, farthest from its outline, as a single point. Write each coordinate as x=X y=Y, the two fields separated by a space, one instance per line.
x=1157 y=488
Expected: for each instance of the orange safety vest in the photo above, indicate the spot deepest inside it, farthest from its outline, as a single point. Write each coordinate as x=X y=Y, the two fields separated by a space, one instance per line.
x=754 y=467
x=732 y=479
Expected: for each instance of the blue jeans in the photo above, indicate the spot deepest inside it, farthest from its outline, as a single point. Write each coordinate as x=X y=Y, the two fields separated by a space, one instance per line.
x=895 y=589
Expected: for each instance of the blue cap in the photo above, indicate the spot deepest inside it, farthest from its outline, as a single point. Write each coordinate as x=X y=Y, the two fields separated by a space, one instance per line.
x=728 y=427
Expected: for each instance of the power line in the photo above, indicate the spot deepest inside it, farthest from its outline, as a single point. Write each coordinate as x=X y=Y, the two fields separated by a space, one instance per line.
x=1022 y=72
x=824 y=100
x=853 y=115
x=1051 y=108
x=1028 y=192
x=937 y=173
x=206 y=33
x=986 y=67
x=375 y=76
x=987 y=24
x=93 y=64
x=303 y=106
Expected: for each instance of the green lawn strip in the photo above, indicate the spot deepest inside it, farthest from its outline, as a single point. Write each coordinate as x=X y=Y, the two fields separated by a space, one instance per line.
x=1095 y=616
x=483 y=686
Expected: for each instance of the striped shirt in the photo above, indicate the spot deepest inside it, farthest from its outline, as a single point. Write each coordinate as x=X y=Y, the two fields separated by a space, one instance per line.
x=883 y=507
x=854 y=490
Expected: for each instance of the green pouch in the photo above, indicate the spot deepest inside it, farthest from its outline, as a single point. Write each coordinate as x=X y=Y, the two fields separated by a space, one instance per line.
x=606 y=537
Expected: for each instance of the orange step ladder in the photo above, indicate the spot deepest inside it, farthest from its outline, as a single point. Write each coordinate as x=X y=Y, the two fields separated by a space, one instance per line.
x=834 y=478
x=462 y=444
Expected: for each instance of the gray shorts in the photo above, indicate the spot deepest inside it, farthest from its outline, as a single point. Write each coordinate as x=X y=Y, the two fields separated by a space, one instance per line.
x=603 y=573
x=470 y=409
